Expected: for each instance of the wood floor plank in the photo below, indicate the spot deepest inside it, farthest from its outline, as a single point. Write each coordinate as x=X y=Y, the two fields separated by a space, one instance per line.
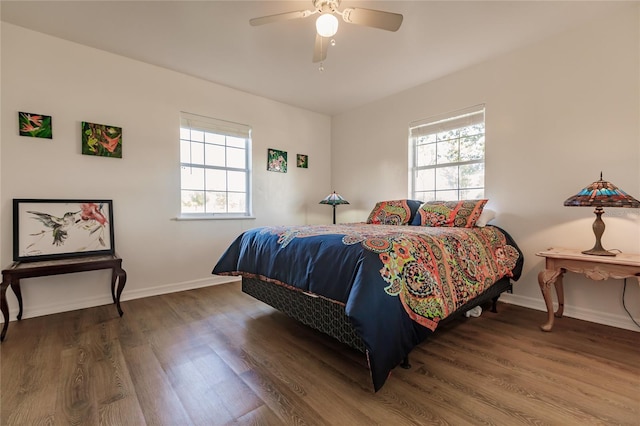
x=287 y=385
x=261 y=416
x=159 y=403
x=237 y=397
x=198 y=395
x=308 y=357
x=29 y=374
x=299 y=372
x=355 y=408
x=124 y=411
x=115 y=394
x=152 y=313
x=217 y=356
x=76 y=400
x=281 y=399
x=612 y=377
x=511 y=361
x=537 y=383
x=485 y=389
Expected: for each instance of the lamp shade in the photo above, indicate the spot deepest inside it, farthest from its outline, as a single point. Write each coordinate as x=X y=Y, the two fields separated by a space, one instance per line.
x=333 y=199
x=602 y=194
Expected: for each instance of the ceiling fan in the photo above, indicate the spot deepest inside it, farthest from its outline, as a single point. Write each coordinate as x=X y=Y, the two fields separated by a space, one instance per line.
x=327 y=23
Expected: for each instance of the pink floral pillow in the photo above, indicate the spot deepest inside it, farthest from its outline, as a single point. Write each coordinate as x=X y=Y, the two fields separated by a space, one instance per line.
x=460 y=214
x=395 y=212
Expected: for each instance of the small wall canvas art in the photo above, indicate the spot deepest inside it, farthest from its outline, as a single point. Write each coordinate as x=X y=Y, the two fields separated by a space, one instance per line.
x=302 y=161
x=277 y=161
x=35 y=125
x=101 y=140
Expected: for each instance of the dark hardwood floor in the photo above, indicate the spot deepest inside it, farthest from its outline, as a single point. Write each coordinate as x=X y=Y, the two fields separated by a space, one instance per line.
x=216 y=356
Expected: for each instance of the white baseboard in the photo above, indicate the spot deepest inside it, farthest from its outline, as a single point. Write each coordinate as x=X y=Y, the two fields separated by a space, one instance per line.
x=89 y=302
x=598 y=317
x=175 y=287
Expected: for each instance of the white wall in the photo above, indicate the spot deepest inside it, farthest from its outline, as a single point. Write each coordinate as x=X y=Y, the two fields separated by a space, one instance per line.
x=557 y=113
x=74 y=83
x=1 y=230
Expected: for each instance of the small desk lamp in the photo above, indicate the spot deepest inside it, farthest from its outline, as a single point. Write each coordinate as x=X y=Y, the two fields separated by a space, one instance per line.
x=601 y=194
x=333 y=200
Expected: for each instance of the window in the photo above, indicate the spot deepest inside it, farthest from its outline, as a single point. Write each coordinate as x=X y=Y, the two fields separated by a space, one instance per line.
x=215 y=165
x=446 y=156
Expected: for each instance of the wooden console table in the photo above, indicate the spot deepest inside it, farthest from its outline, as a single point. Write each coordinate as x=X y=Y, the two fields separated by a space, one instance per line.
x=18 y=270
x=560 y=260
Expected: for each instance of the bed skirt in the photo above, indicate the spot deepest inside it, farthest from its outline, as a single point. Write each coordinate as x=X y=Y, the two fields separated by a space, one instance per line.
x=329 y=316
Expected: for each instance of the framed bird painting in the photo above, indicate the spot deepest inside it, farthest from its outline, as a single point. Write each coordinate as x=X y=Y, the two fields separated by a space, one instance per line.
x=56 y=229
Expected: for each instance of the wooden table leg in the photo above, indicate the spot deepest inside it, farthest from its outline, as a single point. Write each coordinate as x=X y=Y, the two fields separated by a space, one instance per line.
x=15 y=286
x=122 y=280
x=4 y=308
x=545 y=278
x=113 y=284
x=560 y=295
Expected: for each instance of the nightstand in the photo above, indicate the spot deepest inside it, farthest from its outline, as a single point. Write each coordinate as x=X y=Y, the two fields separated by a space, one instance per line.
x=560 y=260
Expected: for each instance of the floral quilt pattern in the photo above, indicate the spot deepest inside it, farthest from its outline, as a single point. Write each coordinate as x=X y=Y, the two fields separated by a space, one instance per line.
x=433 y=271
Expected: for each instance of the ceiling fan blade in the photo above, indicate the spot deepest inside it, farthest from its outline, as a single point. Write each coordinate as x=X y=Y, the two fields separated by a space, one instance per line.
x=320 y=48
x=373 y=18
x=280 y=17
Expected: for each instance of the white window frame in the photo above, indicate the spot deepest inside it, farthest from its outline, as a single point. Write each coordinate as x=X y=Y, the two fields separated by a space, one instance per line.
x=214 y=127
x=427 y=167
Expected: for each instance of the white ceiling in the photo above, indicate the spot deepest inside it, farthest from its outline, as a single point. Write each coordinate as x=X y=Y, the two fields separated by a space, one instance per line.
x=213 y=40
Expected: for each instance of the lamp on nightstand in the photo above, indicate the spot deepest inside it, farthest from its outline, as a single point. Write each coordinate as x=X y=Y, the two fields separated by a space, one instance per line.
x=601 y=194
x=333 y=200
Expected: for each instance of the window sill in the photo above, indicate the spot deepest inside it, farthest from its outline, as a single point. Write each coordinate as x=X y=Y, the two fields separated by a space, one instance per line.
x=211 y=217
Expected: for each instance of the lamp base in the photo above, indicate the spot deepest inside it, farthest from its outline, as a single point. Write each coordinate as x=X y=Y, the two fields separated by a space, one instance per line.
x=598 y=230
x=599 y=252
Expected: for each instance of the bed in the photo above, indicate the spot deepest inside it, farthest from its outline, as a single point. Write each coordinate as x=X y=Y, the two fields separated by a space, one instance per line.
x=382 y=286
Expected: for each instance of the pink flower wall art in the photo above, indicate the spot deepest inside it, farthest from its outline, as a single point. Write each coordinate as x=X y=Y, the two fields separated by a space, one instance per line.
x=35 y=125
x=277 y=161
x=302 y=161
x=101 y=140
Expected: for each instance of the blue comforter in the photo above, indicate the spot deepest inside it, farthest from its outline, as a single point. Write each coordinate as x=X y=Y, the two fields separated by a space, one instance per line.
x=396 y=282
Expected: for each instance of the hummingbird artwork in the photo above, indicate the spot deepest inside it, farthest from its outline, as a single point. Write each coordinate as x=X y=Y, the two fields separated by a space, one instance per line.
x=57 y=225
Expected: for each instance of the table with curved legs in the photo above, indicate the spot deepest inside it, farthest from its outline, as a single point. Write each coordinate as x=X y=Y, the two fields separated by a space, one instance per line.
x=560 y=260
x=12 y=275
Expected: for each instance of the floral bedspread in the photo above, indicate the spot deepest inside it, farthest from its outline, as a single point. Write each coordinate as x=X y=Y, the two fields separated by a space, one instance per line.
x=397 y=282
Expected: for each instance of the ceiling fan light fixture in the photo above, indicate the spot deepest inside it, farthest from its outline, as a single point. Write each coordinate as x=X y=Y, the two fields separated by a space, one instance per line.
x=327 y=25
x=327 y=22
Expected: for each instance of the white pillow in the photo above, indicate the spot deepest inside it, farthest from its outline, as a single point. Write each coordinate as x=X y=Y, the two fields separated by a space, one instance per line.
x=486 y=216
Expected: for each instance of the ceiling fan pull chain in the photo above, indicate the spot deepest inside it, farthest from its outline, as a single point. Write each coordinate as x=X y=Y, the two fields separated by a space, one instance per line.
x=321 y=68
